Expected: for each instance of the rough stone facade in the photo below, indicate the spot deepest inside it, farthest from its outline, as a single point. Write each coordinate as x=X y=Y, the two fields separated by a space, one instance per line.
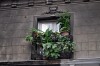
x=15 y=23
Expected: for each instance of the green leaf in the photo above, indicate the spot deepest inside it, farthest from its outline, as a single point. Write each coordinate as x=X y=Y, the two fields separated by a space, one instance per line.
x=54 y=46
x=29 y=38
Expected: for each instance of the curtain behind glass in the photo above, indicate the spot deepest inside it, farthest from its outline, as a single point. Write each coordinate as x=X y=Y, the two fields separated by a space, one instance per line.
x=51 y=25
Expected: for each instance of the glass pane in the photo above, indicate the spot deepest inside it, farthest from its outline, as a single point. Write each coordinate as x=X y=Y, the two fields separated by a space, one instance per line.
x=52 y=26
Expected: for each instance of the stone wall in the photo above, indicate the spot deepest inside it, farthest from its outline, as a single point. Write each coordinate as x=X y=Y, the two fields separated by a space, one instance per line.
x=15 y=23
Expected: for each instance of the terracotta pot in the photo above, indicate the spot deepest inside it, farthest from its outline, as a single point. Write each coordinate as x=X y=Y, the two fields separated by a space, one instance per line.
x=64 y=33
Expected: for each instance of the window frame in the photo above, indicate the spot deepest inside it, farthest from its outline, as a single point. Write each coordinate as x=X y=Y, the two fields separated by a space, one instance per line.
x=37 y=17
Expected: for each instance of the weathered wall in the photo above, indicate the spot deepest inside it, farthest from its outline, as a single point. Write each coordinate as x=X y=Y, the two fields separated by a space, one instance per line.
x=15 y=24
x=87 y=30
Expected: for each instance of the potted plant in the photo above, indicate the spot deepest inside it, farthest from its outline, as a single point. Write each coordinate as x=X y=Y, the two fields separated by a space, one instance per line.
x=35 y=38
x=50 y=47
x=64 y=22
x=67 y=47
x=51 y=50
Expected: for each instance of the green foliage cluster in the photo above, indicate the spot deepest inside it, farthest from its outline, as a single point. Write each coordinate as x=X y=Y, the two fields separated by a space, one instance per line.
x=64 y=21
x=53 y=43
x=51 y=48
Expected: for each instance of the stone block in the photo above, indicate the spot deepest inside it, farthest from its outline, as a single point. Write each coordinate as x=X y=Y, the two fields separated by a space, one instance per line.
x=27 y=49
x=93 y=6
x=23 y=33
x=97 y=29
x=22 y=12
x=81 y=38
x=2 y=34
x=6 y=20
x=1 y=42
x=9 y=33
x=85 y=46
x=94 y=13
x=62 y=8
x=94 y=21
x=17 y=49
x=19 y=41
x=29 y=18
x=93 y=37
x=16 y=41
x=8 y=41
x=88 y=29
x=19 y=57
x=81 y=55
x=10 y=26
x=3 y=26
x=77 y=30
x=92 y=64
x=9 y=57
x=78 y=46
x=3 y=57
x=2 y=50
x=26 y=25
x=4 y=43
x=14 y=13
x=15 y=57
x=9 y=50
x=97 y=54
x=80 y=21
x=93 y=54
x=31 y=11
x=20 y=33
x=98 y=45
x=17 y=33
x=1 y=20
x=5 y=13
x=92 y=46
x=21 y=19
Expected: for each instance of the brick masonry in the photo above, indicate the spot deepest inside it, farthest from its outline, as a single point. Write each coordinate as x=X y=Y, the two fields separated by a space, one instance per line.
x=15 y=25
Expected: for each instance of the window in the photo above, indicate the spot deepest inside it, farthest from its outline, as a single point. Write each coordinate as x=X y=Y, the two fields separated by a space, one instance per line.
x=51 y=25
x=43 y=23
x=48 y=22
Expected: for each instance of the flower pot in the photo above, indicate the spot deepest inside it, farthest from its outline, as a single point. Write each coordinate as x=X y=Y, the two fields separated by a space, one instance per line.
x=64 y=33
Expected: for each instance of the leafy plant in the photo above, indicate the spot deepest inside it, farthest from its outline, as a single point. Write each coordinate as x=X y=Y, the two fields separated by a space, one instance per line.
x=53 y=43
x=66 y=44
x=29 y=38
x=47 y=36
x=34 y=36
x=51 y=50
x=64 y=21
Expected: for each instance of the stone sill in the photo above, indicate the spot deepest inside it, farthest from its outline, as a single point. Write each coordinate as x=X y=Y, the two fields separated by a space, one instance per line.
x=50 y=62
